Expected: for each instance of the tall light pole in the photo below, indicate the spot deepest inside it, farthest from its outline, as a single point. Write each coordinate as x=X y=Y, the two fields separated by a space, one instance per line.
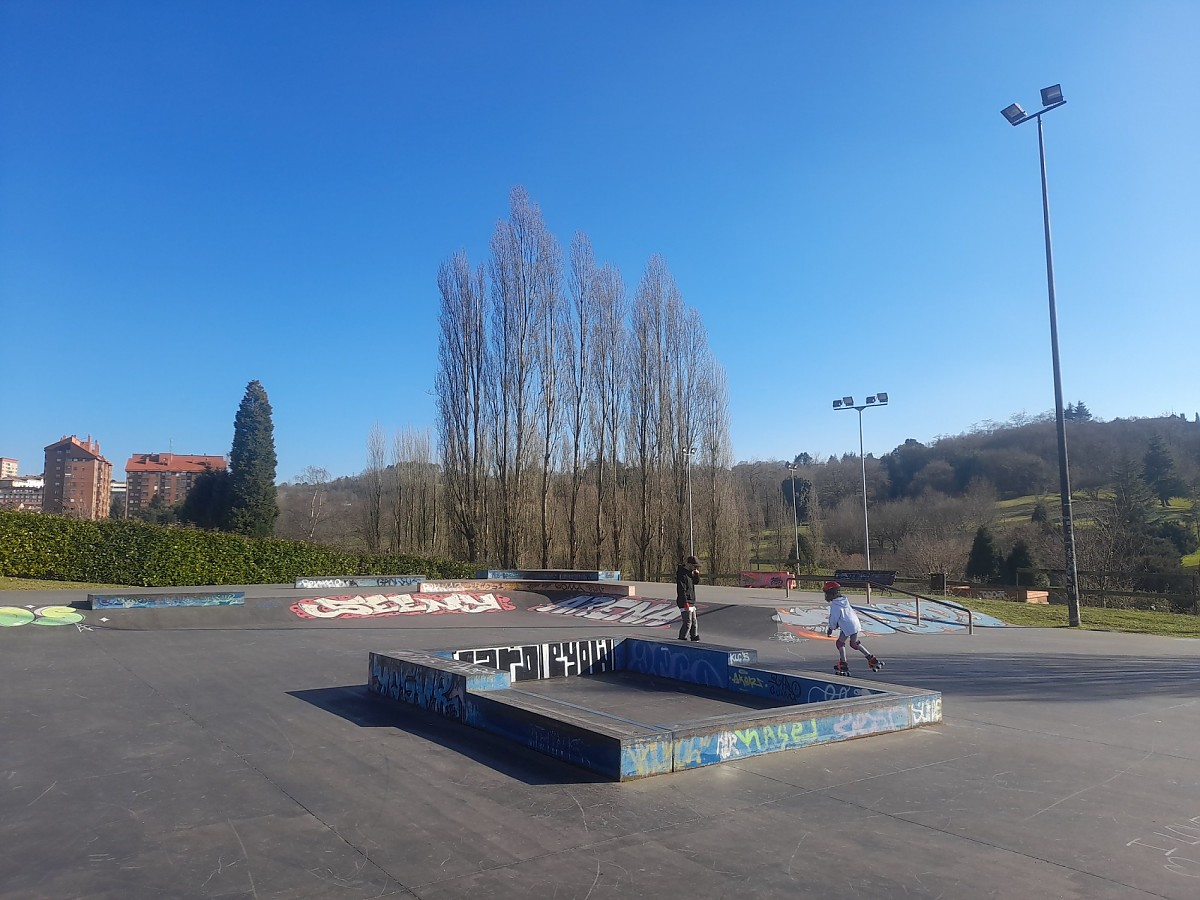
x=689 y=452
x=879 y=398
x=792 y=467
x=1052 y=98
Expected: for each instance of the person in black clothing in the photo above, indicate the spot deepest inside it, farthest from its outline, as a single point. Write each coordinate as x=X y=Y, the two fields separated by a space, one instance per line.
x=687 y=576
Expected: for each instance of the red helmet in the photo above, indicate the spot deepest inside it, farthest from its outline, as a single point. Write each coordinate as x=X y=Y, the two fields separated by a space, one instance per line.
x=832 y=586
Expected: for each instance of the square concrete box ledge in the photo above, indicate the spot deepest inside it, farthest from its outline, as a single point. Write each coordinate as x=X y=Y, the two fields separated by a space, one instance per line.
x=509 y=691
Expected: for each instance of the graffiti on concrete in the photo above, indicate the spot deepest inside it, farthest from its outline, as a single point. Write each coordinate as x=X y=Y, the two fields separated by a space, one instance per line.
x=360 y=581
x=702 y=750
x=1179 y=838
x=14 y=616
x=683 y=663
x=869 y=721
x=159 y=601
x=935 y=619
x=554 y=660
x=375 y=605
x=620 y=610
x=424 y=686
x=810 y=622
x=926 y=710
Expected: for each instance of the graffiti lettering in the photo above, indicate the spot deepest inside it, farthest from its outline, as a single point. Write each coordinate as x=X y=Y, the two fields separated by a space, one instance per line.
x=14 y=616
x=360 y=581
x=622 y=610
x=868 y=721
x=1181 y=833
x=745 y=679
x=926 y=711
x=557 y=660
x=366 y=607
x=423 y=686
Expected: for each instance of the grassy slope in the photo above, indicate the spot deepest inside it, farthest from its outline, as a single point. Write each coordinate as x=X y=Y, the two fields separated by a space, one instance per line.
x=1037 y=616
x=36 y=584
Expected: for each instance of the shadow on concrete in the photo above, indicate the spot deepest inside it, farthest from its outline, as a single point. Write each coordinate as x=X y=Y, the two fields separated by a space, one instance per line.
x=357 y=705
x=1043 y=678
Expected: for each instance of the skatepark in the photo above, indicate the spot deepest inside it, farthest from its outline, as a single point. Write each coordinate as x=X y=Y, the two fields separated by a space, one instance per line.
x=236 y=751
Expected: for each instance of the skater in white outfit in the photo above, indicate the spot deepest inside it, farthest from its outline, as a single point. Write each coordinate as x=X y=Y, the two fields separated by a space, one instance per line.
x=843 y=618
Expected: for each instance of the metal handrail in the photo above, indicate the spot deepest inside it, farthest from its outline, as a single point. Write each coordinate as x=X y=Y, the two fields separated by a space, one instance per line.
x=947 y=603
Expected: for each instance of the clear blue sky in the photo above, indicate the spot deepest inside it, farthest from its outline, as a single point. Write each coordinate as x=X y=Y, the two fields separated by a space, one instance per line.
x=197 y=194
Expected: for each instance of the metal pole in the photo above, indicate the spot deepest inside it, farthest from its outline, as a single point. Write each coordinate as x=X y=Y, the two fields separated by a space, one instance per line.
x=795 y=522
x=1071 y=574
x=866 y=523
x=691 y=529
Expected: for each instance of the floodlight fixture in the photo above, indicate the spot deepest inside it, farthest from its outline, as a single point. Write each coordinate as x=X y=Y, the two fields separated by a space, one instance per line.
x=871 y=400
x=837 y=404
x=1014 y=114
x=881 y=396
x=1052 y=98
x=848 y=401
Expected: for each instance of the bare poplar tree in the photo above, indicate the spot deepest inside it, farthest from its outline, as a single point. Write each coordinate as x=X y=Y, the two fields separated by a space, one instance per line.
x=463 y=368
x=521 y=257
x=316 y=480
x=723 y=529
x=551 y=356
x=582 y=316
x=373 y=488
x=608 y=406
x=410 y=491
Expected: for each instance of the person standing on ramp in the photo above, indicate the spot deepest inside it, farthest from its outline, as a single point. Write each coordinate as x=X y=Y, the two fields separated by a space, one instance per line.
x=687 y=576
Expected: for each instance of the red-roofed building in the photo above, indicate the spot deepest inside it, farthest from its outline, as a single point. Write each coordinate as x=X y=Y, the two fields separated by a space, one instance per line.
x=78 y=479
x=166 y=475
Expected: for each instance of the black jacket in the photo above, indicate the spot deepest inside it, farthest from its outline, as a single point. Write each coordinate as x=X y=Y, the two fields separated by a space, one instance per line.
x=686 y=580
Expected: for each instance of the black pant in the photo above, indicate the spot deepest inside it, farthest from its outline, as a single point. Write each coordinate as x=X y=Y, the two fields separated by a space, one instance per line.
x=689 y=628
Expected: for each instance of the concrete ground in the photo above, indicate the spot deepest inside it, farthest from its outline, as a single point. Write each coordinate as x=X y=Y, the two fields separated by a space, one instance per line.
x=235 y=753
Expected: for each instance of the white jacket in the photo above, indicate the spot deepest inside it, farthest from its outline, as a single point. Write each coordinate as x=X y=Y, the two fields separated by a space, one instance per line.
x=843 y=616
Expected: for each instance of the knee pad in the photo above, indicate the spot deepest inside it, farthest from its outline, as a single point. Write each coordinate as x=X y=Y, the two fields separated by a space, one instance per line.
x=840 y=643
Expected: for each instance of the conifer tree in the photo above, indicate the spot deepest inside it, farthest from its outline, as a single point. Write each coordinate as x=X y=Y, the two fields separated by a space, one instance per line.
x=253 y=504
x=984 y=562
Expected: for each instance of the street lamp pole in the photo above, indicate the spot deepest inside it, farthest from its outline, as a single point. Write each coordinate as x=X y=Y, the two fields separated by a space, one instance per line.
x=791 y=467
x=1052 y=98
x=880 y=398
x=689 y=452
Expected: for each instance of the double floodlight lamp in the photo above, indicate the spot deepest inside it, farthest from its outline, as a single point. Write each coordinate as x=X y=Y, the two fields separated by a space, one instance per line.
x=1051 y=97
x=880 y=398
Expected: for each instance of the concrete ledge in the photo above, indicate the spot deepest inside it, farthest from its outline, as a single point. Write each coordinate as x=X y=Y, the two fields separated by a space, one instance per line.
x=579 y=587
x=159 y=601
x=550 y=575
x=474 y=686
x=356 y=581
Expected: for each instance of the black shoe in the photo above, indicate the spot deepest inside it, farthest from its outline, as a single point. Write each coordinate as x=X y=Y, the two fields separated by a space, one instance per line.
x=694 y=639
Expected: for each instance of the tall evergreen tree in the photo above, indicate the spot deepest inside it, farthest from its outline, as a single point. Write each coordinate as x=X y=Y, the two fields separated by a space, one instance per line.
x=1158 y=469
x=1020 y=557
x=207 y=503
x=253 y=504
x=984 y=562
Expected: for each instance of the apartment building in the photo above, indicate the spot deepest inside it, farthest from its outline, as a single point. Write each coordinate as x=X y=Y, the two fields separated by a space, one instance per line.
x=21 y=492
x=166 y=475
x=78 y=480
x=8 y=467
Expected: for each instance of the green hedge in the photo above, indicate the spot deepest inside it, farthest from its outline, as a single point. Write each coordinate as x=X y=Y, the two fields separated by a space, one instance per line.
x=111 y=551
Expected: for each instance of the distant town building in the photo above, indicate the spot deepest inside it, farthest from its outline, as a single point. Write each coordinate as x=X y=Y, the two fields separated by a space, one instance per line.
x=166 y=475
x=21 y=492
x=78 y=479
x=119 y=500
x=8 y=467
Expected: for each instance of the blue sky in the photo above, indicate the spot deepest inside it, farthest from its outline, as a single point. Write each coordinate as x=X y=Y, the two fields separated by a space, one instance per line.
x=217 y=192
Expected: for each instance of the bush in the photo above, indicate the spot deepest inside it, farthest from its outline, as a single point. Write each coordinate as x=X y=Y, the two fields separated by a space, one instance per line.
x=114 y=551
